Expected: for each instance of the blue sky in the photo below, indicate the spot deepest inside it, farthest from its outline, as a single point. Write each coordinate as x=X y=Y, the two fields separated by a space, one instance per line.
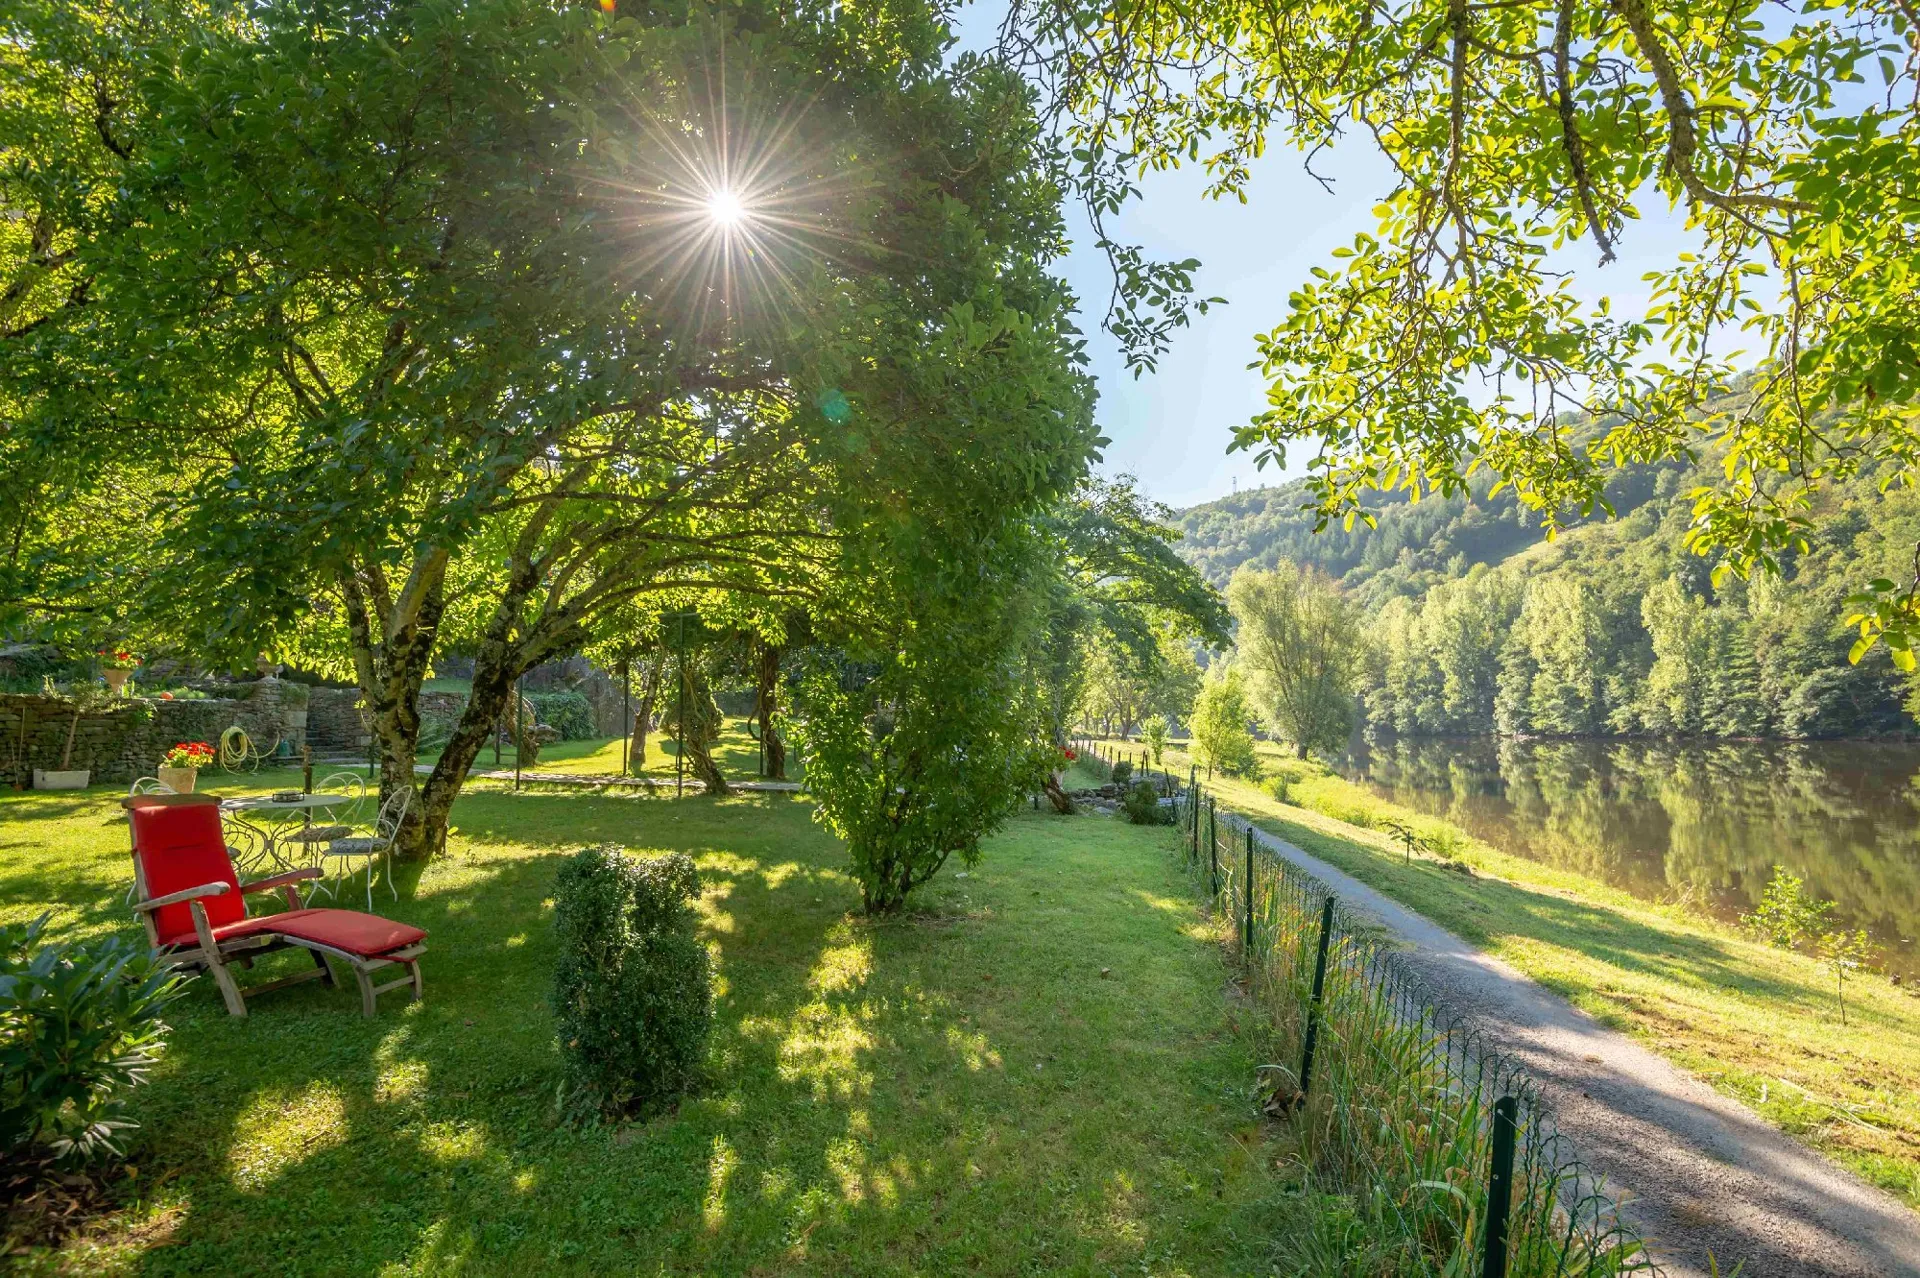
x=1171 y=427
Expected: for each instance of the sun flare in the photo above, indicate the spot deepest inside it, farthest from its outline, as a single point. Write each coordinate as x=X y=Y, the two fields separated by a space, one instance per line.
x=726 y=208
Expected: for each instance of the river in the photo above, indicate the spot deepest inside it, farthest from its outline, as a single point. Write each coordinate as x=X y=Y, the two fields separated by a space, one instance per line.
x=1702 y=821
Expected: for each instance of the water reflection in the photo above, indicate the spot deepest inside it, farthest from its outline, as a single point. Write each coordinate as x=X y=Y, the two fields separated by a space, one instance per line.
x=1708 y=820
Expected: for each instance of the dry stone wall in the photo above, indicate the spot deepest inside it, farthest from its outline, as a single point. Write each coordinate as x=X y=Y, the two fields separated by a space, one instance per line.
x=129 y=740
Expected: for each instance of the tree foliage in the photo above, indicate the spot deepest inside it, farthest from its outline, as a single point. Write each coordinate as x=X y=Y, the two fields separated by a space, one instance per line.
x=1221 y=731
x=920 y=732
x=399 y=331
x=1300 y=641
x=1524 y=140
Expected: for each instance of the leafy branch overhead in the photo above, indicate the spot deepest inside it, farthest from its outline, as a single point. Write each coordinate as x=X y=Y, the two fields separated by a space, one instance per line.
x=1525 y=141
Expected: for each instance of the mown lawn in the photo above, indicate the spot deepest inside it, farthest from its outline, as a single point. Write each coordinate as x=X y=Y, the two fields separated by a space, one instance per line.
x=1034 y=1073
x=737 y=754
x=1758 y=1023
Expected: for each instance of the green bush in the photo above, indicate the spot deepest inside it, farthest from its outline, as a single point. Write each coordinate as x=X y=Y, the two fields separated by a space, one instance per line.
x=632 y=993
x=1281 y=787
x=1143 y=807
x=568 y=713
x=1123 y=772
x=79 y=1027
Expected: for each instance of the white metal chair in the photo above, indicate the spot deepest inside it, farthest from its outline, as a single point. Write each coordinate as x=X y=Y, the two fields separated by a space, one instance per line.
x=343 y=818
x=386 y=828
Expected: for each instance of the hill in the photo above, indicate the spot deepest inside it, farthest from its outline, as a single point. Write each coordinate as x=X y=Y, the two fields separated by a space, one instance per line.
x=1482 y=624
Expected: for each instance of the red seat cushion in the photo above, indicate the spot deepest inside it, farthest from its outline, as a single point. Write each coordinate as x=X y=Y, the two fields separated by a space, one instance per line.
x=364 y=935
x=179 y=848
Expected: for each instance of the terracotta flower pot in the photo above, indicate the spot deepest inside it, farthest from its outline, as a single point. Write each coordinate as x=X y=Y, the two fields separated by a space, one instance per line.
x=178 y=780
x=116 y=679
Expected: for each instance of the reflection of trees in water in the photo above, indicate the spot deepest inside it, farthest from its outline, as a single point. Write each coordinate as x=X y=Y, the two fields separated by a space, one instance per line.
x=1665 y=817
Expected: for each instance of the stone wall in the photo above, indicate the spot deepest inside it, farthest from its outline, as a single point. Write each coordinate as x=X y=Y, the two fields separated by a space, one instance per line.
x=129 y=740
x=335 y=722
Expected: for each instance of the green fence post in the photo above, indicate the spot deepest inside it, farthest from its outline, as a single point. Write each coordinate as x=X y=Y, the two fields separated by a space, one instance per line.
x=1500 y=1186
x=1313 y=1002
x=1213 y=848
x=1246 y=932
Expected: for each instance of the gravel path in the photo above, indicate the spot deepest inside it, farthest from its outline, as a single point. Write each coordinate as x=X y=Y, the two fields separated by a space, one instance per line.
x=1698 y=1173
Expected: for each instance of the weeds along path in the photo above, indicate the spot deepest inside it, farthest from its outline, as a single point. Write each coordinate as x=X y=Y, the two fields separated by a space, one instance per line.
x=1699 y=1174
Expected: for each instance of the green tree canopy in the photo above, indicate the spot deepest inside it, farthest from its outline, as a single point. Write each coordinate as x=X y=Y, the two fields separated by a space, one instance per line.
x=420 y=322
x=1300 y=641
x=1222 y=737
x=1524 y=140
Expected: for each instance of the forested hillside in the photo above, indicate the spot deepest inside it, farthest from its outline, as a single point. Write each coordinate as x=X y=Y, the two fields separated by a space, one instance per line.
x=1480 y=624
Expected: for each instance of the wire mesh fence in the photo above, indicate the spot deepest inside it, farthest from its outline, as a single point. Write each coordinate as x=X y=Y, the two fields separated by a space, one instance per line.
x=1437 y=1149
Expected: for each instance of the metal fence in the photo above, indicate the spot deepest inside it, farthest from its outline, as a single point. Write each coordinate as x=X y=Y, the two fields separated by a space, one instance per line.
x=1436 y=1151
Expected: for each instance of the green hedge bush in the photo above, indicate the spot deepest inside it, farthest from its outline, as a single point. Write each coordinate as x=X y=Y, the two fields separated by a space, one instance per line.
x=568 y=713
x=79 y=1027
x=1123 y=772
x=632 y=990
x=1143 y=807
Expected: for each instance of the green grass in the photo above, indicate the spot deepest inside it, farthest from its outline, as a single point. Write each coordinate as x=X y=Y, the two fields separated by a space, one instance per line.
x=737 y=753
x=1758 y=1023
x=959 y=1090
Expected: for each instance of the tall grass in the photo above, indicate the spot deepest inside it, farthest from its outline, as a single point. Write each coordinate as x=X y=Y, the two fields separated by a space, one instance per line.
x=1396 y=1125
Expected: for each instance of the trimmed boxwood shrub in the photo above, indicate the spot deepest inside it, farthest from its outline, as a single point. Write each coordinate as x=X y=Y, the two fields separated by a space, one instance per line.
x=632 y=990
x=568 y=713
x=1123 y=772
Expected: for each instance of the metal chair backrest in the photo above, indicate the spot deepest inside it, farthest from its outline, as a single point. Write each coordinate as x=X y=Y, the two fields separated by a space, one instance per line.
x=349 y=783
x=393 y=813
x=149 y=785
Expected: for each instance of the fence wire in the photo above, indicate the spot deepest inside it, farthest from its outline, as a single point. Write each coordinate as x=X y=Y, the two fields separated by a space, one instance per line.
x=1396 y=1119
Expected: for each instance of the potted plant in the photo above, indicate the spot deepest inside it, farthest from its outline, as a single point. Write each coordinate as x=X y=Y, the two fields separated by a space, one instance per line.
x=116 y=667
x=66 y=776
x=182 y=765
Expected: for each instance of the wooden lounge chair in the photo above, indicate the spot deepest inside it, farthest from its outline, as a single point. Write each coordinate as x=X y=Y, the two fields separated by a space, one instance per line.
x=194 y=908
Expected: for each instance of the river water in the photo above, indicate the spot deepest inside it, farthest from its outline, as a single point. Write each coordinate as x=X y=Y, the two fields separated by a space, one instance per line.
x=1704 y=821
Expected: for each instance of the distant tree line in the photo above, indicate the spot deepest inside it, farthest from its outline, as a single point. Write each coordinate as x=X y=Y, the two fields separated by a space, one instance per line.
x=1476 y=623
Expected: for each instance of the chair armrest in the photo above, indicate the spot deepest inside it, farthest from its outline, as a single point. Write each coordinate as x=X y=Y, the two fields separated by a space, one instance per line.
x=184 y=894
x=288 y=879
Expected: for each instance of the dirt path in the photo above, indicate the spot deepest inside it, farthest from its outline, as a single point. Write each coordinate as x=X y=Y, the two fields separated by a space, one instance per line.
x=1699 y=1173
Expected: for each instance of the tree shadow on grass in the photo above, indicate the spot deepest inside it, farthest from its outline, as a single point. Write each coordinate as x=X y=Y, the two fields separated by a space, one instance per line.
x=880 y=1098
x=428 y=1136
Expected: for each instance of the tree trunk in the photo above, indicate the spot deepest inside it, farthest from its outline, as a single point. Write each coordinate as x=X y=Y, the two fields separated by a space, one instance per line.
x=66 y=755
x=492 y=697
x=643 y=717
x=1300 y=752
x=392 y=641
x=1057 y=796
x=765 y=702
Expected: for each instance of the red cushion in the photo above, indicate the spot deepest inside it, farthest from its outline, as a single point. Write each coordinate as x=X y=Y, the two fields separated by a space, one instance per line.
x=181 y=847
x=362 y=935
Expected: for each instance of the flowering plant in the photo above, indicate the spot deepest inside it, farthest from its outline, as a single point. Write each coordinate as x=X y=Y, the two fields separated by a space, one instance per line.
x=118 y=659
x=188 y=754
x=1070 y=752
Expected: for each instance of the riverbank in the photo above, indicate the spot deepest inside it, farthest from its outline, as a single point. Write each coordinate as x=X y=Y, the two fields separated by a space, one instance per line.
x=1758 y=1024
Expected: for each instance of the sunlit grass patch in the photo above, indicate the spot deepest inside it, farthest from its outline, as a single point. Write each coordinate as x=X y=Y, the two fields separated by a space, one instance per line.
x=1758 y=1023
x=871 y=1102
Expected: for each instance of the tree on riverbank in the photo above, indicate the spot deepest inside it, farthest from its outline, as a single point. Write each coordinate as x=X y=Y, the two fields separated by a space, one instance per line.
x=1299 y=639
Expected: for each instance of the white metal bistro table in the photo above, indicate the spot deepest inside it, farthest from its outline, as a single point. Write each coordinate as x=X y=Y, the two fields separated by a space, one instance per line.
x=268 y=823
